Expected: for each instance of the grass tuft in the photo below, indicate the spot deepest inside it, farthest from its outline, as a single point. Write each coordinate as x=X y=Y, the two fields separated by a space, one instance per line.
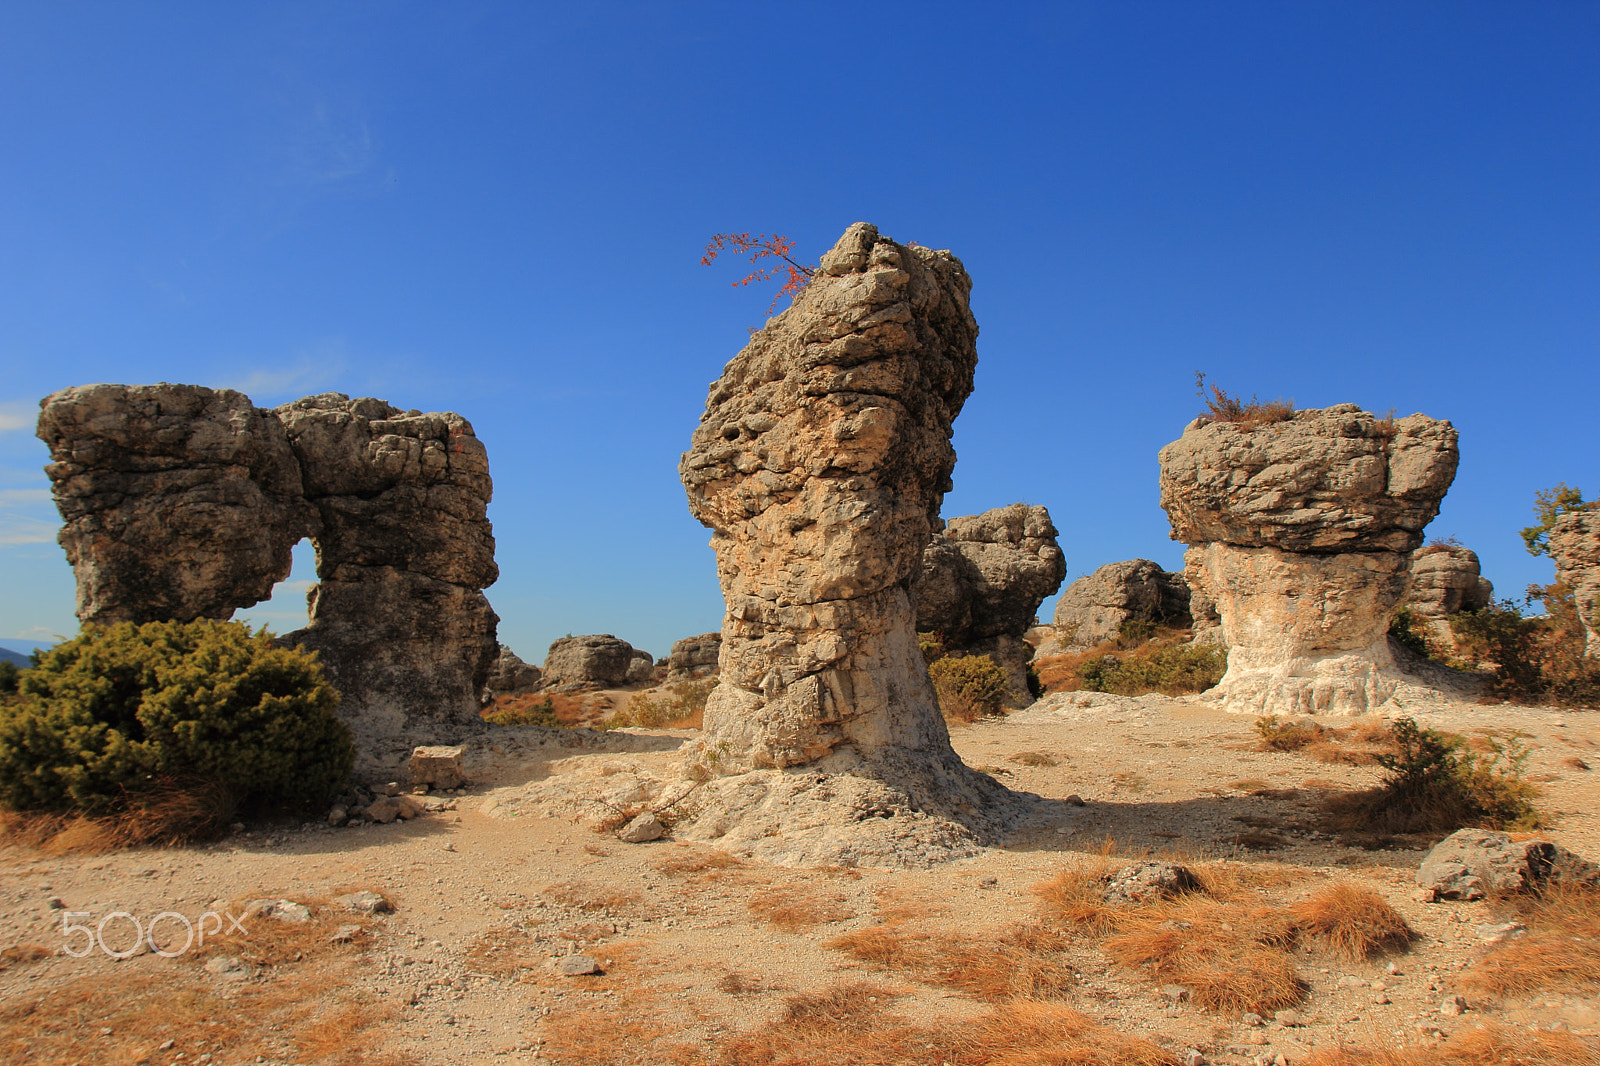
x=1352 y=922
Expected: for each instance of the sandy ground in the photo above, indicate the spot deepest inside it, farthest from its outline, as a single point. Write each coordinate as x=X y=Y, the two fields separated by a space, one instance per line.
x=488 y=896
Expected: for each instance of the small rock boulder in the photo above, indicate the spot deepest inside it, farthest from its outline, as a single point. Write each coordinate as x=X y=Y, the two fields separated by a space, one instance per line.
x=1471 y=863
x=282 y=910
x=437 y=767
x=1147 y=882
x=365 y=902
x=599 y=659
x=578 y=966
x=646 y=827
x=385 y=810
x=694 y=657
x=228 y=967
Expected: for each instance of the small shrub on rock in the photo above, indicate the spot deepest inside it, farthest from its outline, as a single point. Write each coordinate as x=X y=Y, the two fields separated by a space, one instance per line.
x=126 y=711
x=969 y=686
x=1247 y=414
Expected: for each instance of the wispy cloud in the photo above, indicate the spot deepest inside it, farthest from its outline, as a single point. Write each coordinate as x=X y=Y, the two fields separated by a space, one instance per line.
x=36 y=635
x=20 y=497
x=26 y=517
x=18 y=414
x=314 y=368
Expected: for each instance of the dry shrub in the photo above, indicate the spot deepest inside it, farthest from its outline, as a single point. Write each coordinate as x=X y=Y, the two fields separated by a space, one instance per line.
x=1352 y=922
x=1231 y=959
x=1561 y=951
x=587 y=897
x=1246 y=414
x=794 y=908
x=683 y=706
x=1491 y=1044
x=1075 y=897
x=1023 y=960
x=1257 y=840
x=694 y=859
x=1356 y=745
x=168 y=816
x=552 y=710
x=849 y=1026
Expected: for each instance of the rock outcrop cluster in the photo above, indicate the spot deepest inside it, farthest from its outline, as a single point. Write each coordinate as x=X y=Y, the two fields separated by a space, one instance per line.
x=595 y=659
x=511 y=676
x=1301 y=533
x=982 y=580
x=1095 y=608
x=184 y=502
x=1445 y=580
x=1575 y=547
x=820 y=464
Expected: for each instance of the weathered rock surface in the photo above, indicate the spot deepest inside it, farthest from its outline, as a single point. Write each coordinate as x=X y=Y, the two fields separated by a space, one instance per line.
x=1149 y=882
x=981 y=584
x=1445 y=580
x=404 y=550
x=1094 y=608
x=985 y=575
x=694 y=657
x=1575 y=547
x=820 y=464
x=184 y=502
x=1300 y=536
x=641 y=667
x=1472 y=863
x=180 y=502
x=438 y=766
x=510 y=675
x=594 y=659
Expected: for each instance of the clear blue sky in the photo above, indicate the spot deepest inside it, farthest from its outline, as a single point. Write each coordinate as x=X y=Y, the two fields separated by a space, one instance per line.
x=498 y=209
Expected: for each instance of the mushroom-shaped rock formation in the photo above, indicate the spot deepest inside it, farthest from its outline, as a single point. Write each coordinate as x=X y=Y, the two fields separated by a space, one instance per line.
x=982 y=581
x=820 y=464
x=1575 y=547
x=1300 y=533
x=185 y=502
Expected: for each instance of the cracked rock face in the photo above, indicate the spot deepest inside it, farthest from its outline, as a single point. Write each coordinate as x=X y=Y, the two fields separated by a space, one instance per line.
x=1301 y=534
x=820 y=464
x=1575 y=547
x=184 y=502
x=600 y=658
x=179 y=502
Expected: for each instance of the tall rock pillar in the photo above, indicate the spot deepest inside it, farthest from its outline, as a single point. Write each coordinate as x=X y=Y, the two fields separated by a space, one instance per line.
x=1575 y=547
x=820 y=465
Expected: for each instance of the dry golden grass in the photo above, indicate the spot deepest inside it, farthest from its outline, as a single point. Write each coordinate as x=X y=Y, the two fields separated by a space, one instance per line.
x=794 y=908
x=166 y=817
x=1485 y=1045
x=1032 y=758
x=301 y=1006
x=1352 y=922
x=850 y=1025
x=692 y=859
x=1022 y=961
x=1561 y=951
x=588 y=897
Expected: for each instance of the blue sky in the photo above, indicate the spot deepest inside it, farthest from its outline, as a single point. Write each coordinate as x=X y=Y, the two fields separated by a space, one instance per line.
x=498 y=209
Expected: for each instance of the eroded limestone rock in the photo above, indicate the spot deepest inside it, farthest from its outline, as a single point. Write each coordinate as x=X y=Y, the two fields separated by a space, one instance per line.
x=180 y=502
x=1575 y=547
x=1301 y=535
x=820 y=464
x=184 y=502
x=511 y=675
x=694 y=657
x=1094 y=608
x=404 y=550
x=594 y=659
x=1445 y=580
x=982 y=581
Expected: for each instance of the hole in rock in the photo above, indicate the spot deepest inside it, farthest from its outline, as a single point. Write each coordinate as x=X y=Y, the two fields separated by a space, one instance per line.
x=286 y=610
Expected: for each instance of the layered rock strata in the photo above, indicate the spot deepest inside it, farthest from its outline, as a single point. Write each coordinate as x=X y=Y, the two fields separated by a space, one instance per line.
x=982 y=580
x=1446 y=579
x=1575 y=547
x=694 y=657
x=185 y=502
x=1095 y=607
x=511 y=676
x=1301 y=533
x=820 y=464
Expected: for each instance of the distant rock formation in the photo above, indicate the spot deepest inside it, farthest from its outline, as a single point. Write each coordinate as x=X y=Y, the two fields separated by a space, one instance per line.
x=511 y=676
x=1094 y=608
x=185 y=502
x=1446 y=579
x=820 y=464
x=1575 y=547
x=597 y=659
x=1301 y=532
x=694 y=657
x=982 y=581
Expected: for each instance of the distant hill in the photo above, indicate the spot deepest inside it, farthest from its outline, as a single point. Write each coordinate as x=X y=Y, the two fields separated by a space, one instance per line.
x=9 y=656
